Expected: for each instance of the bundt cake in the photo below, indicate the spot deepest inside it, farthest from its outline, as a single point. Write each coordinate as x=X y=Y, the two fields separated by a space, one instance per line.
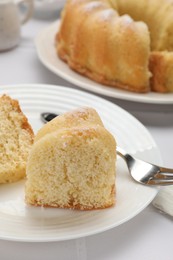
x=72 y=163
x=95 y=41
x=16 y=139
x=112 y=42
x=161 y=66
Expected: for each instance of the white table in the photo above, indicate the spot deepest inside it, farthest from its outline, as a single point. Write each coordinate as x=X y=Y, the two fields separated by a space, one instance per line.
x=149 y=235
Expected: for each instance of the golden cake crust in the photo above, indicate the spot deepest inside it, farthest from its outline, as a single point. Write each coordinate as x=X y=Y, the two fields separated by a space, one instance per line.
x=161 y=66
x=77 y=117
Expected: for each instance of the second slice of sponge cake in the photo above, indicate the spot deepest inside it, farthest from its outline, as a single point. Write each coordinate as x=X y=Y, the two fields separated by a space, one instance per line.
x=72 y=163
x=16 y=139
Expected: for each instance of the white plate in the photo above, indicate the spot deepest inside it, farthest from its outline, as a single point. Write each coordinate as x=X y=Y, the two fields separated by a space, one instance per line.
x=26 y=223
x=47 y=54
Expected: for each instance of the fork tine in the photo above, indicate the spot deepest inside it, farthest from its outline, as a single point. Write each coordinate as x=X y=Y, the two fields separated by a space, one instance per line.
x=163 y=175
x=168 y=181
x=166 y=171
x=161 y=178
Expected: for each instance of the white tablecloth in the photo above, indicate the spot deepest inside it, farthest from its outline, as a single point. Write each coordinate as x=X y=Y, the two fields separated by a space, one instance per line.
x=149 y=235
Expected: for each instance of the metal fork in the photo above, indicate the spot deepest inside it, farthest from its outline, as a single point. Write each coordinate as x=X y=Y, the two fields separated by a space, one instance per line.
x=146 y=173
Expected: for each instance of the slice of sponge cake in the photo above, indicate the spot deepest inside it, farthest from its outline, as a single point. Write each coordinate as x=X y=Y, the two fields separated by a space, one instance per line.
x=16 y=138
x=72 y=163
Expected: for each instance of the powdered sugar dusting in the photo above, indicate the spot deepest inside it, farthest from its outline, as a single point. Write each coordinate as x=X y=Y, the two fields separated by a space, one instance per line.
x=107 y=14
x=92 y=5
x=127 y=19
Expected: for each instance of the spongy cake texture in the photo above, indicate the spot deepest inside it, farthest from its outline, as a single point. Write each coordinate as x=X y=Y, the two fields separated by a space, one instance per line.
x=72 y=166
x=16 y=139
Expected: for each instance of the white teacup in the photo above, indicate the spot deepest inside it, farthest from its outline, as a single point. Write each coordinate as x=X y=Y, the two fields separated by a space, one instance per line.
x=12 y=15
x=48 y=9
